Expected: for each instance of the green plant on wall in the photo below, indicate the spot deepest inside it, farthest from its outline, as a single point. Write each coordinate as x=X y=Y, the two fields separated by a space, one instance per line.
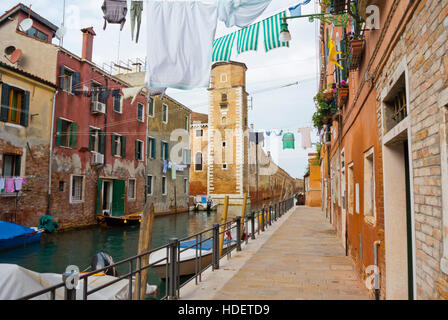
x=326 y=107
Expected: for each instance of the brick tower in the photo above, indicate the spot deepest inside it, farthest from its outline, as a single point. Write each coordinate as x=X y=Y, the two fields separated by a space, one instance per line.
x=228 y=136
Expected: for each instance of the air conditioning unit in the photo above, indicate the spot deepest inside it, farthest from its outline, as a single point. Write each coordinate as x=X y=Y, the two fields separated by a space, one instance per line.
x=97 y=158
x=98 y=107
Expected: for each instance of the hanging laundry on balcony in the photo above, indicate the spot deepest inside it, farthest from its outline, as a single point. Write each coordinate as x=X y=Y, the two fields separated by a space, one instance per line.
x=272 y=27
x=173 y=171
x=288 y=141
x=2 y=184
x=306 y=137
x=240 y=13
x=222 y=48
x=248 y=38
x=136 y=17
x=9 y=185
x=18 y=182
x=114 y=12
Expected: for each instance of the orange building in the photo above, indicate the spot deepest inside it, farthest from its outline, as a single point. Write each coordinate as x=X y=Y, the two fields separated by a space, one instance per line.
x=313 y=196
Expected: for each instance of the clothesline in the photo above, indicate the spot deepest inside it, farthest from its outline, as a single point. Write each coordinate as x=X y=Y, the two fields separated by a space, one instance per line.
x=12 y=184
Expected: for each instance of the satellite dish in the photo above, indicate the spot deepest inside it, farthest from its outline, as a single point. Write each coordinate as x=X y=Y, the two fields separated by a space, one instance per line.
x=25 y=25
x=61 y=32
x=9 y=50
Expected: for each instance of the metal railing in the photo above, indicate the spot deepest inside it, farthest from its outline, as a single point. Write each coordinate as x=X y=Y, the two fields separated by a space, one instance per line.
x=258 y=221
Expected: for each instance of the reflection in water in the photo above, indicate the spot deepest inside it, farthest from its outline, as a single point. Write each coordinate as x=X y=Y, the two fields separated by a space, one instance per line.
x=56 y=251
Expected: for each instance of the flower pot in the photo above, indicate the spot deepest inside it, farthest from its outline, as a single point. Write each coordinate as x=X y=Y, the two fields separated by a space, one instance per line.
x=328 y=96
x=356 y=51
x=342 y=96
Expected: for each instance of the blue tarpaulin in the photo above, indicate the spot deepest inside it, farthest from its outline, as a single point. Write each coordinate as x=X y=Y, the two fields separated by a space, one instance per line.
x=206 y=245
x=10 y=230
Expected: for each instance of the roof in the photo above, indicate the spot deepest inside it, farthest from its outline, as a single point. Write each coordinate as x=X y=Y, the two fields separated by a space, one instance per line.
x=217 y=64
x=27 y=74
x=34 y=15
x=199 y=117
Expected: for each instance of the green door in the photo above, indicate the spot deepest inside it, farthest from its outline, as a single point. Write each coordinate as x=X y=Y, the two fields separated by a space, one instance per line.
x=99 y=197
x=118 y=198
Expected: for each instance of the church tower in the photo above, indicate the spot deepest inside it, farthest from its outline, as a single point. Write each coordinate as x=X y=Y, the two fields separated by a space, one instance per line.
x=228 y=136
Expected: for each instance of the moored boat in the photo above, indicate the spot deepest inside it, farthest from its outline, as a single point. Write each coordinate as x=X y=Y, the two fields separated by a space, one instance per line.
x=14 y=235
x=123 y=221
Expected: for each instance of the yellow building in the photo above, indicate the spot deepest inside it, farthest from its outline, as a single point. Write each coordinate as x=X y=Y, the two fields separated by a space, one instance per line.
x=313 y=196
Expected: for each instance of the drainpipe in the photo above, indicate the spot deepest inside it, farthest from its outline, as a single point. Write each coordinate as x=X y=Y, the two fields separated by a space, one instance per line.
x=376 y=244
x=51 y=153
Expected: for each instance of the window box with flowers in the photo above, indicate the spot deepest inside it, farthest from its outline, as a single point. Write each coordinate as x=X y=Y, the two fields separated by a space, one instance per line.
x=342 y=90
x=356 y=50
x=326 y=107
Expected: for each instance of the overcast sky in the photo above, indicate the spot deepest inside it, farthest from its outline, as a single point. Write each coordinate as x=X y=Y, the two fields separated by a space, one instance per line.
x=287 y=108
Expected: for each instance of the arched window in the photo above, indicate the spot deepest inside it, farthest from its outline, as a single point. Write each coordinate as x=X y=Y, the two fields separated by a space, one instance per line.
x=198 y=161
x=224 y=120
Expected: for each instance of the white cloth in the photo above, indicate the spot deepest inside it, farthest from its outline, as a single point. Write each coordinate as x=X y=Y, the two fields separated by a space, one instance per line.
x=240 y=13
x=180 y=43
x=306 y=137
x=2 y=184
x=131 y=93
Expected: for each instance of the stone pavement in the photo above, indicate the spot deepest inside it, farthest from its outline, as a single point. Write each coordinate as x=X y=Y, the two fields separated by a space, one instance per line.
x=299 y=257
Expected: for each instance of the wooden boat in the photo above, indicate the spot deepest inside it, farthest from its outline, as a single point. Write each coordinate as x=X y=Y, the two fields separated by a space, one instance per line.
x=124 y=221
x=15 y=235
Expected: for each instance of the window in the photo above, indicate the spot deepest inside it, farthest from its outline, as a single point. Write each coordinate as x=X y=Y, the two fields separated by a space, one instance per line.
x=223 y=77
x=66 y=133
x=164 y=186
x=33 y=32
x=224 y=105
x=118 y=145
x=369 y=184
x=61 y=186
x=117 y=101
x=186 y=156
x=198 y=161
x=15 y=105
x=68 y=80
x=224 y=97
x=11 y=165
x=96 y=140
x=140 y=112
x=224 y=144
x=199 y=133
x=223 y=121
x=350 y=191
x=149 y=184
x=151 y=107
x=152 y=147
x=186 y=122
x=98 y=93
x=185 y=185
x=131 y=189
x=224 y=166
x=164 y=113
x=165 y=150
x=138 y=150
x=76 y=194
x=395 y=104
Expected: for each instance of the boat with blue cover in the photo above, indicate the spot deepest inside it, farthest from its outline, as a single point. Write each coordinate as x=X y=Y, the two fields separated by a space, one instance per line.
x=15 y=235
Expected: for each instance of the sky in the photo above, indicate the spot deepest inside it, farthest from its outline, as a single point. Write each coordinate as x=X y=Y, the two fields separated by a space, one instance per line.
x=287 y=109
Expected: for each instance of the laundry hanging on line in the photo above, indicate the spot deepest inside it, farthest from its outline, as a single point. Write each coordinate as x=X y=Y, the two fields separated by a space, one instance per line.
x=183 y=56
x=136 y=17
x=297 y=9
x=114 y=12
x=288 y=141
x=306 y=137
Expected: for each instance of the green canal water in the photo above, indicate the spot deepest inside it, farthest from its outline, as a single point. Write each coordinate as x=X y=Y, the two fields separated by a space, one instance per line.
x=57 y=251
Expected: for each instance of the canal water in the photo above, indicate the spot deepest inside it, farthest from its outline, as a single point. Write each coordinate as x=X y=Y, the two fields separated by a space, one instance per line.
x=57 y=251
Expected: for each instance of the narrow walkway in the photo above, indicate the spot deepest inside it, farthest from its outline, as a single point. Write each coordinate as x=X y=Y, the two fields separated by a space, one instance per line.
x=300 y=259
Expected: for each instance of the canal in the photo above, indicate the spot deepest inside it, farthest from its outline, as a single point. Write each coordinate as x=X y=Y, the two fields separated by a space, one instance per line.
x=57 y=251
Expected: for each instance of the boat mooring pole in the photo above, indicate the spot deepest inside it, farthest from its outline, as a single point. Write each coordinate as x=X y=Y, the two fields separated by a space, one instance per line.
x=144 y=245
x=223 y=221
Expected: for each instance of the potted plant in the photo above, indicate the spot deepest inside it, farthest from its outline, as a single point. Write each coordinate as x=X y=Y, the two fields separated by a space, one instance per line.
x=356 y=50
x=343 y=90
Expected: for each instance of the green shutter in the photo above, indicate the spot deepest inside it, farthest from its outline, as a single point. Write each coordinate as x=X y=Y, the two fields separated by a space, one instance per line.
x=58 y=132
x=6 y=91
x=161 y=150
x=17 y=164
x=73 y=135
x=153 y=148
x=167 y=151
x=113 y=148
x=101 y=142
x=98 y=196
x=123 y=147
x=76 y=83
x=137 y=152
x=91 y=139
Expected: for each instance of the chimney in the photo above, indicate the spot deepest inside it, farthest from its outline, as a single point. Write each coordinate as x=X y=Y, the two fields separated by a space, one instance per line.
x=87 y=43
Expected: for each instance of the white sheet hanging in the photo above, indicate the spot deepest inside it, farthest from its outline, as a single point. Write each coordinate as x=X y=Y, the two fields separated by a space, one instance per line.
x=180 y=43
x=240 y=13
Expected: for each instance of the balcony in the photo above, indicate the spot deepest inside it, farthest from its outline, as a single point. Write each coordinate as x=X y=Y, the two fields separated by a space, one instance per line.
x=356 y=53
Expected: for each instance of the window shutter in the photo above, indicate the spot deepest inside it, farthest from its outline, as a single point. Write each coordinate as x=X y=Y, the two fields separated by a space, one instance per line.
x=73 y=135
x=18 y=162
x=102 y=95
x=113 y=148
x=76 y=83
x=102 y=141
x=6 y=91
x=148 y=141
x=123 y=146
x=153 y=148
x=91 y=139
x=62 y=78
x=137 y=152
x=167 y=157
x=24 y=112
x=187 y=156
x=161 y=150
x=58 y=132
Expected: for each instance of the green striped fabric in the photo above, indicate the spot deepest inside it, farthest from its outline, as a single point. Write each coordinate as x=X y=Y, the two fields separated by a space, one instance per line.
x=222 y=48
x=272 y=28
x=248 y=38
